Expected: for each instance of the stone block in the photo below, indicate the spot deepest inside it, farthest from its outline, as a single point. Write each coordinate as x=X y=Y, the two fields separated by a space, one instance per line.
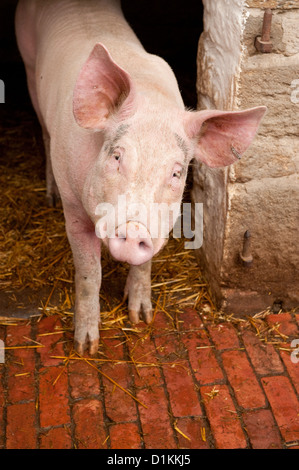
x=269 y=208
x=277 y=4
x=267 y=158
x=268 y=80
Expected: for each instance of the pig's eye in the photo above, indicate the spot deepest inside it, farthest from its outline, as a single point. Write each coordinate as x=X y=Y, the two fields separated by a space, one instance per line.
x=176 y=174
x=177 y=171
x=116 y=155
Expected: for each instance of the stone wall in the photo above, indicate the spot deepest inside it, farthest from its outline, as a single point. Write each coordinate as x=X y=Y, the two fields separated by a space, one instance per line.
x=261 y=192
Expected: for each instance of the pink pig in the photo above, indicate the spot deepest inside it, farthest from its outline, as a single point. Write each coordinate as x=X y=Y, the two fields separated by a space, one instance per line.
x=114 y=124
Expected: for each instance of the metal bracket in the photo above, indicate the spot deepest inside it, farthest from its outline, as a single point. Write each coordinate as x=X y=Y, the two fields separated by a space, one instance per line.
x=246 y=256
x=263 y=43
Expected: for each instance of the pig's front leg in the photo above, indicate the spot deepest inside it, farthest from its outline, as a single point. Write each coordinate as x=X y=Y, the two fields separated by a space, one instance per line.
x=138 y=291
x=86 y=250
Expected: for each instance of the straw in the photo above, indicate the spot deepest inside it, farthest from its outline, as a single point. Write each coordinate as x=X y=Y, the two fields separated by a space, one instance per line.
x=180 y=432
x=36 y=259
x=114 y=382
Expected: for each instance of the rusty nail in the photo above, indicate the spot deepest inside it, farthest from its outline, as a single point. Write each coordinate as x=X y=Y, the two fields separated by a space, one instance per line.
x=262 y=43
x=246 y=256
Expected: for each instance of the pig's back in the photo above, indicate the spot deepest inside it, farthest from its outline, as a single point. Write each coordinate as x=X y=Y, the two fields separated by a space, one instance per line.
x=62 y=33
x=65 y=33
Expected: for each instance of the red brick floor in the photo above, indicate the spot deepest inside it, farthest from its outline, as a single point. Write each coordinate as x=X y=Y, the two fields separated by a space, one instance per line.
x=203 y=385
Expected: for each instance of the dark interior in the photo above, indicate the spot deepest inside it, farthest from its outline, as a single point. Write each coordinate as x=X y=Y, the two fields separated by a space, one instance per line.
x=170 y=28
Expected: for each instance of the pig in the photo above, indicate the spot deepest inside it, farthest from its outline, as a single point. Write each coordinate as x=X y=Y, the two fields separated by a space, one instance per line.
x=114 y=123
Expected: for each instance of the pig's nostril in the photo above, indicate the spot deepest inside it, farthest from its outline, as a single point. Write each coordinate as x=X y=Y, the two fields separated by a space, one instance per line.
x=130 y=245
x=144 y=246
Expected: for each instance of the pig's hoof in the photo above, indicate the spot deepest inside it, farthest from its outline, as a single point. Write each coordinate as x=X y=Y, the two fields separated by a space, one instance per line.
x=90 y=345
x=148 y=316
x=135 y=316
x=79 y=347
x=93 y=346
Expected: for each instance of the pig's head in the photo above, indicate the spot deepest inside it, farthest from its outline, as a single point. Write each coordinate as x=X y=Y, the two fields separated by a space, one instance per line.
x=134 y=190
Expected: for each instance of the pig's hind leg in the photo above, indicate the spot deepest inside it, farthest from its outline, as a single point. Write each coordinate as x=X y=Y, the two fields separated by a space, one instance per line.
x=52 y=194
x=138 y=291
x=26 y=40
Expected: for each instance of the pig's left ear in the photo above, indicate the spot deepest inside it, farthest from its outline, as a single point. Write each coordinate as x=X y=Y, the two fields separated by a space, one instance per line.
x=221 y=137
x=102 y=88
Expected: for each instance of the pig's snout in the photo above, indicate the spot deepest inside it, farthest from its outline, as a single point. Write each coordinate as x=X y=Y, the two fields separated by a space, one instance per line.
x=132 y=243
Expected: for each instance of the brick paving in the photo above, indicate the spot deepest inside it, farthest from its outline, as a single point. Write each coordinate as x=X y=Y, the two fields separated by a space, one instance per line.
x=203 y=385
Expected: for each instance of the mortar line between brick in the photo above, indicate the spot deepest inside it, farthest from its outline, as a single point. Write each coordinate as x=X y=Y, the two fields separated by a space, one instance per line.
x=211 y=439
x=286 y=374
x=73 y=401
x=257 y=376
x=259 y=379
x=169 y=408
x=36 y=391
x=218 y=355
x=107 y=422
x=283 y=443
x=270 y=374
x=70 y=401
x=204 y=417
x=39 y=366
x=293 y=386
x=4 y=380
x=36 y=384
x=293 y=317
x=139 y=424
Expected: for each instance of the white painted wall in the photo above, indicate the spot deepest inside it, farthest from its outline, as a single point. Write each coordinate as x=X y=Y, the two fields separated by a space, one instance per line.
x=220 y=52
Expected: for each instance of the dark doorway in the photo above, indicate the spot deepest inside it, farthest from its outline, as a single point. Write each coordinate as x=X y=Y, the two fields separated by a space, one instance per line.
x=171 y=29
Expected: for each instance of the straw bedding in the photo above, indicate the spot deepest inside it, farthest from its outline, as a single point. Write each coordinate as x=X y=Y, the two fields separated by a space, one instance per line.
x=35 y=257
x=36 y=267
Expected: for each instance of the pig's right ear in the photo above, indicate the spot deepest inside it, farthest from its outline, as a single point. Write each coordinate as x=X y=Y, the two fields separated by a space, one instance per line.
x=221 y=137
x=102 y=88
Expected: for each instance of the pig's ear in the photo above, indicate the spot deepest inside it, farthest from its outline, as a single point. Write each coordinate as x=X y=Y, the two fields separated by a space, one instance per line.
x=221 y=137
x=102 y=88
